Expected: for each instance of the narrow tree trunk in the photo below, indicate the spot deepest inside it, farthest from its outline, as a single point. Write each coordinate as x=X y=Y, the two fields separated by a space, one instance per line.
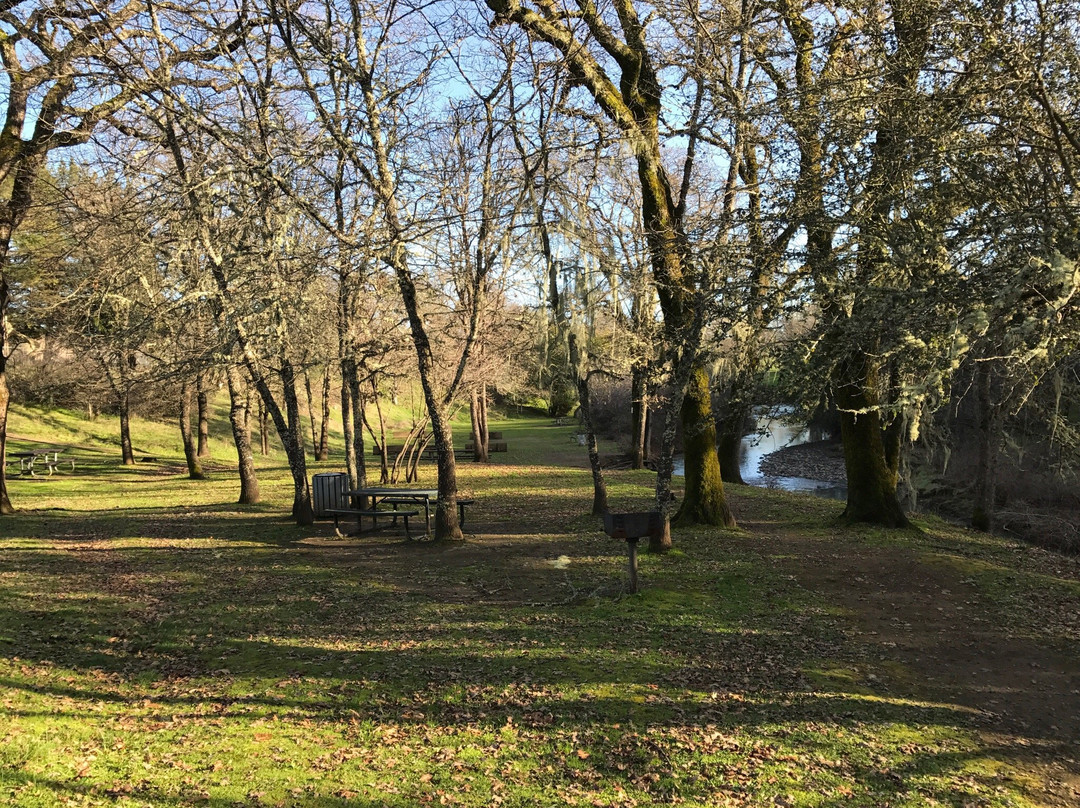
x=704 y=501
x=204 y=417
x=126 y=453
x=982 y=512
x=291 y=438
x=264 y=429
x=238 y=409
x=480 y=454
x=5 y=400
x=639 y=405
x=348 y=372
x=311 y=414
x=323 y=450
x=358 y=401
x=600 y=503
x=191 y=454
x=384 y=463
x=485 y=435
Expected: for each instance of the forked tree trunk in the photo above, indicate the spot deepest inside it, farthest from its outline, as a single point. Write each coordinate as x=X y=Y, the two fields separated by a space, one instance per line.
x=238 y=417
x=485 y=435
x=191 y=454
x=480 y=446
x=204 y=417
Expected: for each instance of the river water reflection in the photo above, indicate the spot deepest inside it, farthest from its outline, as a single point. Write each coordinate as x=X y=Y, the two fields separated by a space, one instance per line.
x=775 y=433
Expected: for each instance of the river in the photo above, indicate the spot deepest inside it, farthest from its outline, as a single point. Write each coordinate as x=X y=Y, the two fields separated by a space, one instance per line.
x=773 y=434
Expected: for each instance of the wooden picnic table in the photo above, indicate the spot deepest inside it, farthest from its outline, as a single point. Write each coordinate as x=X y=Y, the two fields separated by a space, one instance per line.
x=50 y=459
x=395 y=497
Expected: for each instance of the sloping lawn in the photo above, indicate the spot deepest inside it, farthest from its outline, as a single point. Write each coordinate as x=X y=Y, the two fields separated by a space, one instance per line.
x=159 y=647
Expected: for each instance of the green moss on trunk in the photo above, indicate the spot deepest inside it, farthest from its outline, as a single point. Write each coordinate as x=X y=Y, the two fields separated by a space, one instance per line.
x=704 y=501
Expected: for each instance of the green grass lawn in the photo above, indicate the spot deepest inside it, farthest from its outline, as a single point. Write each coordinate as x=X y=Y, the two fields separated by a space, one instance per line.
x=162 y=646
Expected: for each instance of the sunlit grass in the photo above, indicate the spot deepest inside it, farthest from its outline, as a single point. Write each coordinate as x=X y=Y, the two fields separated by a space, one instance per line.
x=160 y=645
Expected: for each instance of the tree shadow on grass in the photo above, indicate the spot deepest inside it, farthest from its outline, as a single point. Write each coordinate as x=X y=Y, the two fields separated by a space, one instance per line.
x=415 y=636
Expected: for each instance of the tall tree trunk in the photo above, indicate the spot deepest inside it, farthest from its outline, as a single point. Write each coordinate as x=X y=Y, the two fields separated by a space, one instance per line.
x=384 y=462
x=264 y=429
x=358 y=401
x=126 y=453
x=600 y=503
x=323 y=450
x=291 y=438
x=204 y=417
x=311 y=414
x=191 y=454
x=480 y=447
x=639 y=407
x=5 y=399
x=238 y=417
x=348 y=373
x=982 y=512
x=485 y=434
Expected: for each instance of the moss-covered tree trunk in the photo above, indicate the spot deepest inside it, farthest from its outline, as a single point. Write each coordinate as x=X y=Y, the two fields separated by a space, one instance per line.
x=704 y=501
x=982 y=510
x=870 y=462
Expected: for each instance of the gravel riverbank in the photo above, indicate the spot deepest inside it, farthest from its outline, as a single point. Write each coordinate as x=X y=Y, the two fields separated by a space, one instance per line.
x=821 y=460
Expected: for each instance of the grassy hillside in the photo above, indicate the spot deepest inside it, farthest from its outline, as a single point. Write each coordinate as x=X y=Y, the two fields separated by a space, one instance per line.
x=162 y=646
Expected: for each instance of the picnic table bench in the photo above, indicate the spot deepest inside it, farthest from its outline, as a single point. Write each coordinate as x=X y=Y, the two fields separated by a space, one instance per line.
x=431 y=453
x=31 y=462
x=493 y=446
x=374 y=515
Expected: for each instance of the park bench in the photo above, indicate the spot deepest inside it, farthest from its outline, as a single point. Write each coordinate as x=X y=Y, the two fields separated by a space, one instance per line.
x=374 y=515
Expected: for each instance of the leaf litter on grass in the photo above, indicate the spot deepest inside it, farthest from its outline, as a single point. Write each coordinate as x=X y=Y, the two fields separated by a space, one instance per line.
x=166 y=670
